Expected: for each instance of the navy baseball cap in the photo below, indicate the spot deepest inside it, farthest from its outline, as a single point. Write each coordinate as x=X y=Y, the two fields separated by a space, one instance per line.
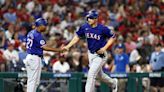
x=120 y=46
x=41 y=21
x=92 y=14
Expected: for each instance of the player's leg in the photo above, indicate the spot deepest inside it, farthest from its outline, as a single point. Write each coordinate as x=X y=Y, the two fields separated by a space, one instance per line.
x=39 y=73
x=32 y=73
x=105 y=78
x=95 y=66
x=112 y=82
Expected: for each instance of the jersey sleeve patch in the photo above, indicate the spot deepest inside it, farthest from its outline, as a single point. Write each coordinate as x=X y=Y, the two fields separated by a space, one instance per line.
x=42 y=42
x=112 y=34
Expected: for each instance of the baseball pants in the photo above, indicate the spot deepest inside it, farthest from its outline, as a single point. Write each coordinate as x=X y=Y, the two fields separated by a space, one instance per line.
x=96 y=63
x=33 y=67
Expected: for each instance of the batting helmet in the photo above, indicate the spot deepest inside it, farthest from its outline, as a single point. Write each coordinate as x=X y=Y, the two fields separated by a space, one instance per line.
x=92 y=14
x=40 y=21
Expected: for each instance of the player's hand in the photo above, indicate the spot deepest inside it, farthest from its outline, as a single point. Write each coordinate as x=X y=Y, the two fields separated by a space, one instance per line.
x=65 y=48
x=101 y=51
x=61 y=48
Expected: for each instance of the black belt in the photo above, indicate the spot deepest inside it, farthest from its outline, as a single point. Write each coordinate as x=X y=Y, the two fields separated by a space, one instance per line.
x=41 y=56
x=100 y=55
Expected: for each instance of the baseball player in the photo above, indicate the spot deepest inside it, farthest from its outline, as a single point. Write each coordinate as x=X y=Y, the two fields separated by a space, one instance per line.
x=35 y=45
x=96 y=35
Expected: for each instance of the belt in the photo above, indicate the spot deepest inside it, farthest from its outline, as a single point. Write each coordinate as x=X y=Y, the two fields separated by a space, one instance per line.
x=100 y=55
x=41 y=56
x=93 y=52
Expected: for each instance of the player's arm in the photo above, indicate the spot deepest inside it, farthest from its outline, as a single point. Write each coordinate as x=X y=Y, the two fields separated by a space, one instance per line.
x=50 y=49
x=44 y=46
x=72 y=42
x=79 y=33
x=109 y=43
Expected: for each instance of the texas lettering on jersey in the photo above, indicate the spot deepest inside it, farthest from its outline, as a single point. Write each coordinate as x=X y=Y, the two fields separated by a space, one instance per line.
x=96 y=37
x=93 y=36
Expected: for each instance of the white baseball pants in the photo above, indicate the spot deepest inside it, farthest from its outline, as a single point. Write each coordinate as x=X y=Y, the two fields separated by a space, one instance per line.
x=96 y=63
x=33 y=67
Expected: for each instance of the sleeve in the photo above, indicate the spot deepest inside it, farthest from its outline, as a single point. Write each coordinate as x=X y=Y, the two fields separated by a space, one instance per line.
x=115 y=60
x=41 y=40
x=161 y=58
x=108 y=33
x=80 y=32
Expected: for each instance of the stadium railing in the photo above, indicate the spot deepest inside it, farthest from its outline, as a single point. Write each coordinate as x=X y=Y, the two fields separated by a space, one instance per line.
x=134 y=83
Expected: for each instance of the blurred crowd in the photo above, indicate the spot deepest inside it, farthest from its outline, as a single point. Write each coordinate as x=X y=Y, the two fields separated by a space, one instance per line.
x=139 y=25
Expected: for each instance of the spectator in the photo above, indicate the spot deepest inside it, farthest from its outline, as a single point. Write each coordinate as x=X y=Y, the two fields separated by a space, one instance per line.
x=33 y=5
x=11 y=56
x=121 y=60
x=22 y=35
x=69 y=32
x=22 y=55
x=48 y=14
x=157 y=65
x=10 y=16
x=61 y=66
x=134 y=56
x=130 y=45
x=10 y=32
x=121 y=65
x=134 y=61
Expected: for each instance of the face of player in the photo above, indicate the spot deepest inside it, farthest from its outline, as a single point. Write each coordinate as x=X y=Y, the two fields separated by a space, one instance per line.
x=92 y=21
x=42 y=28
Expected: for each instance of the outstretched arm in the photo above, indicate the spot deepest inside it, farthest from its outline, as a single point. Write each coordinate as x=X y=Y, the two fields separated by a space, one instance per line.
x=72 y=42
x=51 y=49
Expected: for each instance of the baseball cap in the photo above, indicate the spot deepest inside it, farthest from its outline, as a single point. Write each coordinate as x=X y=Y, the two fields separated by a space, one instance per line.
x=41 y=21
x=92 y=14
x=120 y=46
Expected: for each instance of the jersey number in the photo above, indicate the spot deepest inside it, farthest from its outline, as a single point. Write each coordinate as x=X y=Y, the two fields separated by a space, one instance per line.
x=29 y=43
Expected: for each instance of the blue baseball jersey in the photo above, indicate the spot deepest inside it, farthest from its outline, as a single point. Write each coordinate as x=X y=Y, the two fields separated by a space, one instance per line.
x=96 y=36
x=121 y=60
x=34 y=43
